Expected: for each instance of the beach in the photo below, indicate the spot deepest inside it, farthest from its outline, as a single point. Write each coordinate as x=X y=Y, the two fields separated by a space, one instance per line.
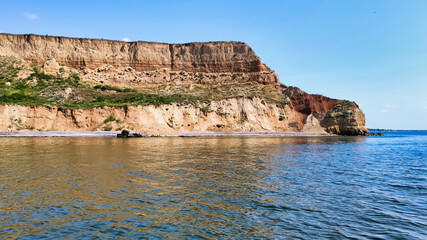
x=186 y=134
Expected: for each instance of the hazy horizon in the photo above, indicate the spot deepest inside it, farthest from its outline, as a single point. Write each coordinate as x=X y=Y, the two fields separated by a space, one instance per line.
x=373 y=53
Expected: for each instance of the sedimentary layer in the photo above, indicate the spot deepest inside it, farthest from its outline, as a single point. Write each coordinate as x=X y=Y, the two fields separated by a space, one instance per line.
x=237 y=114
x=81 y=53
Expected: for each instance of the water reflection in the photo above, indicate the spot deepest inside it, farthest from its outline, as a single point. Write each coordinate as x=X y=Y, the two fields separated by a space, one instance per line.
x=233 y=187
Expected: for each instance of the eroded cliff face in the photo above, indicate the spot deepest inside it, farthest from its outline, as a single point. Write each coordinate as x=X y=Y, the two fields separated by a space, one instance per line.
x=237 y=114
x=146 y=67
x=119 y=63
x=142 y=56
x=318 y=113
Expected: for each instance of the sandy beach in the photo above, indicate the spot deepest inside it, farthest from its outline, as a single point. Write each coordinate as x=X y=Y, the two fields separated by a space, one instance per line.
x=114 y=134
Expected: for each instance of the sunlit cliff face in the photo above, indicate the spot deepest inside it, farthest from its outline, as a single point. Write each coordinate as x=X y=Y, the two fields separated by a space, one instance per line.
x=157 y=88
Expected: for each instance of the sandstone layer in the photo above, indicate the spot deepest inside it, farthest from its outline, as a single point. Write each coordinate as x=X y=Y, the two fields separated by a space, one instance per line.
x=237 y=114
x=109 y=65
x=82 y=53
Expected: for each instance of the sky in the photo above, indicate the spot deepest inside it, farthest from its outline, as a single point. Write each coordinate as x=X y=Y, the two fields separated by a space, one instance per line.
x=370 y=52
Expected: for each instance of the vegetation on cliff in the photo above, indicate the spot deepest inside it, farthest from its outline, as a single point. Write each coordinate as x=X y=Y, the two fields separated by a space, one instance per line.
x=341 y=109
x=28 y=84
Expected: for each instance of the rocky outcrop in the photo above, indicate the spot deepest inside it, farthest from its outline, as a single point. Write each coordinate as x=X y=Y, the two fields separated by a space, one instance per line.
x=51 y=66
x=345 y=118
x=319 y=113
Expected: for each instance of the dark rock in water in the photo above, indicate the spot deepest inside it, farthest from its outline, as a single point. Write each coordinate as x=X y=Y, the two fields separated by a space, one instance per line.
x=127 y=134
x=137 y=134
x=375 y=134
x=378 y=134
x=366 y=134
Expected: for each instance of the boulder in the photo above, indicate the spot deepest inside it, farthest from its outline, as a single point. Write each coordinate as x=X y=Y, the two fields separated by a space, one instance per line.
x=51 y=66
x=124 y=134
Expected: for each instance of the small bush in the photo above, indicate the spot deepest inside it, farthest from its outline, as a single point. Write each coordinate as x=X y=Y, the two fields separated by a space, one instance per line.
x=108 y=127
x=205 y=110
x=170 y=122
x=330 y=114
x=113 y=88
x=110 y=118
x=100 y=99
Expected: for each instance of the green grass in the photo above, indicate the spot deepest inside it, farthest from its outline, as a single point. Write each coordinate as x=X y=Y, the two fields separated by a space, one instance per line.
x=45 y=89
x=341 y=109
x=108 y=127
x=113 y=88
x=110 y=118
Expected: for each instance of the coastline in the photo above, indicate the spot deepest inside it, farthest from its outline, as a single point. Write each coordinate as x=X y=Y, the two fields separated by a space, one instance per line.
x=113 y=134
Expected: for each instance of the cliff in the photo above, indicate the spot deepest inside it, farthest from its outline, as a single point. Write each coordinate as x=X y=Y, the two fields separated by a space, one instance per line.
x=66 y=83
x=237 y=114
x=82 y=53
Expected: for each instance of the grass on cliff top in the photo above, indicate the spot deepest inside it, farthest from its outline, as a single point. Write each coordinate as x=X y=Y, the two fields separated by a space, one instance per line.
x=70 y=92
x=341 y=109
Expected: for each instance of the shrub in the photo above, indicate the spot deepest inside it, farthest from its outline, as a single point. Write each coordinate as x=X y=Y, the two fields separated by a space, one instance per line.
x=108 y=127
x=99 y=99
x=19 y=98
x=8 y=71
x=281 y=117
x=170 y=122
x=329 y=114
x=110 y=118
x=205 y=110
x=292 y=124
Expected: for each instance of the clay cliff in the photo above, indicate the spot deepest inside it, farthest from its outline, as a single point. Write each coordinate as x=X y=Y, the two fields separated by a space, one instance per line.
x=66 y=83
x=142 y=56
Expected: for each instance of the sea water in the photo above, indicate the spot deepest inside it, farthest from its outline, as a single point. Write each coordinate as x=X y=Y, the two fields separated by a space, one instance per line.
x=215 y=187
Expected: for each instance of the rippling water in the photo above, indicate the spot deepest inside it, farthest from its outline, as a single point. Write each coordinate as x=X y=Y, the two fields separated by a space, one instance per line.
x=223 y=187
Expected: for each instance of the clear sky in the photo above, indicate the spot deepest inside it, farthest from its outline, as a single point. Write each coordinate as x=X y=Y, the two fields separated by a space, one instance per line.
x=370 y=51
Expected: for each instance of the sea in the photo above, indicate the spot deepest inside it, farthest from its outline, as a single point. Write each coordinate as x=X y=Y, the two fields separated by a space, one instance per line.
x=226 y=187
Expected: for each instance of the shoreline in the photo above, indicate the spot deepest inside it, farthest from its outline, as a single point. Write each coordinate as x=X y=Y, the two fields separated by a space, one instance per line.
x=186 y=134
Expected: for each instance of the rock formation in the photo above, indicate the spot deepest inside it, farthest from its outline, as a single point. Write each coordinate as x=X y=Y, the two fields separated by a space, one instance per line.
x=263 y=105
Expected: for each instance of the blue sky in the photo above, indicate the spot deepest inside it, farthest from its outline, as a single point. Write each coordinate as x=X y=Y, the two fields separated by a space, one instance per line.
x=371 y=52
